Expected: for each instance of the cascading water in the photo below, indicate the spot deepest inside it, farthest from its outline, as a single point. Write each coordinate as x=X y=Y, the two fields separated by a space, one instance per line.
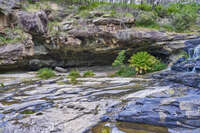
x=194 y=57
x=190 y=63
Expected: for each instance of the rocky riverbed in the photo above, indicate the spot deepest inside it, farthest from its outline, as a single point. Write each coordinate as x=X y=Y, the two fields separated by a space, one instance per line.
x=28 y=104
x=60 y=38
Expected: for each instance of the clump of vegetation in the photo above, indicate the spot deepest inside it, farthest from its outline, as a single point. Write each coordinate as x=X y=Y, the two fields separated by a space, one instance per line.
x=46 y=73
x=73 y=80
x=183 y=54
x=147 y=19
x=74 y=73
x=88 y=74
x=84 y=14
x=143 y=6
x=9 y=35
x=143 y=62
x=182 y=21
x=2 y=85
x=89 y=6
x=35 y=6
x=53 y=27
x=124 y=70
x=161 y=11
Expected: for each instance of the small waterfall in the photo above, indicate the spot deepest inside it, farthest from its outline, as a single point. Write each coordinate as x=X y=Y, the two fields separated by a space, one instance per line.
x=196 y=52
x=194 y=55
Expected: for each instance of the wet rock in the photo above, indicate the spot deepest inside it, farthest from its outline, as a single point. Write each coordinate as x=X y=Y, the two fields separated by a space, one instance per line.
x=170 y=112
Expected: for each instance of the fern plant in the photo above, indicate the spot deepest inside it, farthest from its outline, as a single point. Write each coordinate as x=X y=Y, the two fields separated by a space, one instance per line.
x=144 y=62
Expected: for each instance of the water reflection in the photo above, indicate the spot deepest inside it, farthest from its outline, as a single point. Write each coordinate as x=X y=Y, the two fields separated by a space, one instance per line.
x=125 y=127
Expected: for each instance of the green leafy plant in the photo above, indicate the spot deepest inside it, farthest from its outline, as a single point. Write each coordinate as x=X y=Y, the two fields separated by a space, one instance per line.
x=88 y=74
x=143 y=62
x=124 y=70
x=45 y=73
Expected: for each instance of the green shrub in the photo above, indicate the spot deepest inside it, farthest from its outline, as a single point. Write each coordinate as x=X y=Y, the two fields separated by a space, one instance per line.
x=45 y=73
x=173 y=8
x=74 y=73
x=161 y=11
x=88 y=74
x=145 y=7
x=182 y=21
x=123 y=71
x=146 y=19
x=143 y=62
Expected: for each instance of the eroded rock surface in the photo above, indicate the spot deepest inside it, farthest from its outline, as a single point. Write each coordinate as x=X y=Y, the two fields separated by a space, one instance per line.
x=54 y=105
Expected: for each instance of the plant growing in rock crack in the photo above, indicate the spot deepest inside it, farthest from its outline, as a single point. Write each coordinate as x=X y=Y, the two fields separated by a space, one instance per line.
x=73 y=80
x=73 y=75
x=2 y=85
x=45 y=73
x=144 y=62
x=124 y=71
x=88 y=74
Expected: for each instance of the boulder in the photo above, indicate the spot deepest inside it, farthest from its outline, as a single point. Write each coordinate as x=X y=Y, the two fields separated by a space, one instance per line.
x=33 y=23
x=60 y=69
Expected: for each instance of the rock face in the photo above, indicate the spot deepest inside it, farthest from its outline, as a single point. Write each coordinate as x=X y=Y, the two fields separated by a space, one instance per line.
x=93 y=45
x=33 y=23
x=12 y=55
